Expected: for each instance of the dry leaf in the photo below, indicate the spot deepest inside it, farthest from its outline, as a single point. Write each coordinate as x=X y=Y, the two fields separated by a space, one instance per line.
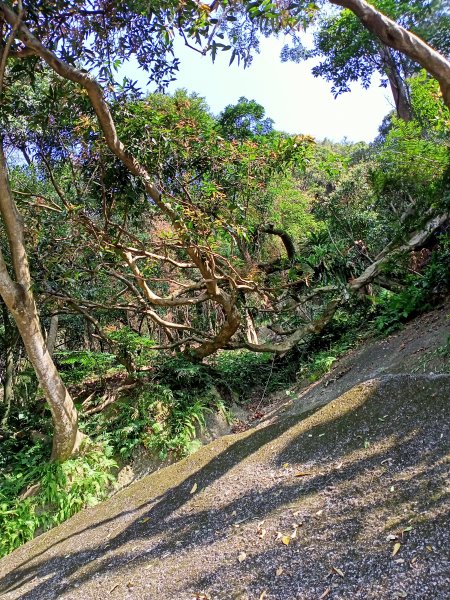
x=194 y=489
x=279 y=571
x=397 y=547
x=263 y=595
x=242 y=556
x=325 y=594
x=144 y=520
x=261 y=533
x=319 y=513
x=301 y=474
x=286 y=540
x=286 y=465
x=338 y=571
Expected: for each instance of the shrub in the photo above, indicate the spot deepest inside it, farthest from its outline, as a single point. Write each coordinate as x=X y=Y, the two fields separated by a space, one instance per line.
x=60 y=490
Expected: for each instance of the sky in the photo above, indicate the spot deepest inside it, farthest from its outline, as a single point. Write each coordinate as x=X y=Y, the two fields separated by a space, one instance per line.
x=298 y=102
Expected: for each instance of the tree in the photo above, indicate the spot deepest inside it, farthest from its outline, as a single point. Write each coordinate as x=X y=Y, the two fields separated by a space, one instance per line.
x=17 y=294
x=350 y=52
x=397 y=37
x=244 y=120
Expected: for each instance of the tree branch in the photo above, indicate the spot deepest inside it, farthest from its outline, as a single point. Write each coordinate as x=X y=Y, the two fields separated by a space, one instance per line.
x=395 y=36
x=314 y=327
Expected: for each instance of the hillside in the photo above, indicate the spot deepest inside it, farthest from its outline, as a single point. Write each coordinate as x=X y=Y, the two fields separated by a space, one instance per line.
x=346 y=500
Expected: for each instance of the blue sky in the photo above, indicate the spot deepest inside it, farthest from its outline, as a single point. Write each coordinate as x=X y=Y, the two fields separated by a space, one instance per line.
x=297 y=101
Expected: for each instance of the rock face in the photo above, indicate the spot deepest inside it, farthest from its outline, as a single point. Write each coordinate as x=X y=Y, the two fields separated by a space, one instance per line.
x=345 y=501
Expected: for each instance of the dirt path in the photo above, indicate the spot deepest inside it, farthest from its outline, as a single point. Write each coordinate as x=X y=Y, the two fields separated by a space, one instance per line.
x=347 y=501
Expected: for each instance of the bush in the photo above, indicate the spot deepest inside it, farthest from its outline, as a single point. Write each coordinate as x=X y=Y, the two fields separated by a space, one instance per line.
x=156 y=417
x=60 y=490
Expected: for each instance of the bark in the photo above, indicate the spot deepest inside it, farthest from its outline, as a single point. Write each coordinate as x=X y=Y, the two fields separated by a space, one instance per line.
x=285 y=238
x=18 y=297
x=292 y=340
x=395 y=36
x=52 y=333
x=252 y=336
x=8 y=380
x=66 y=436
x=397 y=83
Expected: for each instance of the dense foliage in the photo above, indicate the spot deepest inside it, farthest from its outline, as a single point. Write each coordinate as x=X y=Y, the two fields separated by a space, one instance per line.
x=180 y=261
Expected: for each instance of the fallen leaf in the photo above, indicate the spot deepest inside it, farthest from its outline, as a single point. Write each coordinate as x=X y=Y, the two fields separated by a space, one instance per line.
x=301 y=474
x=286 y=540
x=279 y=571
x=263 y=595
x=430 y=548
x=338 y=571
x=396 y=548
x=325 y=594
x=285 y=465
x=407 y=529
x=242 y=556
x=194 y=489
x=261 y=533
x=144 y=520
x=319 y=513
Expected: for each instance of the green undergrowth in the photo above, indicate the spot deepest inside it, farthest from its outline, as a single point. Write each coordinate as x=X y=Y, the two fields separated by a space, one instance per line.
x=56 y=491
x=162 y=420
x=422 y=291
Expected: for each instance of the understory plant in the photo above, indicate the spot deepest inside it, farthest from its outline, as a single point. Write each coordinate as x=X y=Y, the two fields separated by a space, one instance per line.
x=36 y=495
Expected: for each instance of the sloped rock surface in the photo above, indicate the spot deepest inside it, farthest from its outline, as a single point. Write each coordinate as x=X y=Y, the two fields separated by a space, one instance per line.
x=307 y=506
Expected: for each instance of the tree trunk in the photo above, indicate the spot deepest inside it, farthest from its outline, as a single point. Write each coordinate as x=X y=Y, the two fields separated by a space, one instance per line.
x=395 y=36
x=397 y=83
x=52 y=333
x=66 y=437
x=252 y=336
x=8 y=381
x=18 y=297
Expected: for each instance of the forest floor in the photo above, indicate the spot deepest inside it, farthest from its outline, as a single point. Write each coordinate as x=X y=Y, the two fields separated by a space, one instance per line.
x=339 y=492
